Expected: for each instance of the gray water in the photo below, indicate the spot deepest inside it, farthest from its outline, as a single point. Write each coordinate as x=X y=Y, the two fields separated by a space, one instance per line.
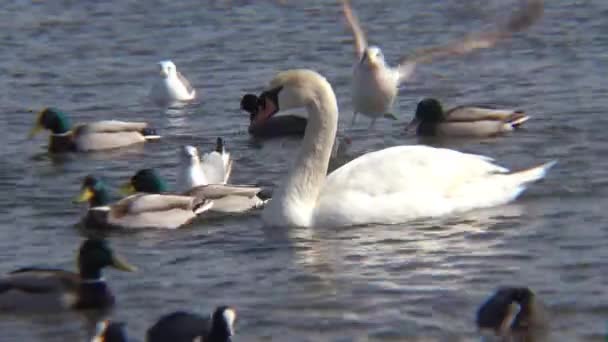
x=419 y=281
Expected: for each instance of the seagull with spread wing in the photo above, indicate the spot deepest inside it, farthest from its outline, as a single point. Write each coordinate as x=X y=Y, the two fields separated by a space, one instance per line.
x=376 y=84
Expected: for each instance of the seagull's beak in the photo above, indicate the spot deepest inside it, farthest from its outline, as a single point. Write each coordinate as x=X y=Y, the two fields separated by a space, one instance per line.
x=413 y=124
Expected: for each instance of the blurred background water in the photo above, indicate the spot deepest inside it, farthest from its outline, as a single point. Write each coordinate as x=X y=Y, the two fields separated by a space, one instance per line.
x=410 y=282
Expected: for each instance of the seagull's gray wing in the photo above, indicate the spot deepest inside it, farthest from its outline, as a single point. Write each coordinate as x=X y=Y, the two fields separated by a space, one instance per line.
x=519 y=21
x=358 y=34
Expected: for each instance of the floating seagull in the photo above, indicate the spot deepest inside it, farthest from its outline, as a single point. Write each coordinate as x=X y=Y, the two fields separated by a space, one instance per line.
x=375 y=84
x=212 y=168
x=172 y=87
x=393 y=185
x=464 y=121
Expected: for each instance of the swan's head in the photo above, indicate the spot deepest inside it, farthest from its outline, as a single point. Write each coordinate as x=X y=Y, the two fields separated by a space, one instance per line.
x=190 y=153
x=373 y=57
x=428 y=110
x=288 y=90
x=167 y=69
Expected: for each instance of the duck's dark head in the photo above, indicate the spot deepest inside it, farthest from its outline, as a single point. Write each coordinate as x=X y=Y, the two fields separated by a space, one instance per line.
x=95 y=254
x=429 y=110
x=110 y=332
x=52 y=119
x=510 y=308
x=261 y=108
x=145 y=180
x=222 y=324
x=94 y=191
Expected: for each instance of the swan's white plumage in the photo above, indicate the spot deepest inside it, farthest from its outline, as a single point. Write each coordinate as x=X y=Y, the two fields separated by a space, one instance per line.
x=393 y=185
x=171 y=86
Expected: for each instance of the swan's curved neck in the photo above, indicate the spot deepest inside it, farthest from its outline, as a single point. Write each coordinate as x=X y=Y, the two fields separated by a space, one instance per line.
x=301 y=188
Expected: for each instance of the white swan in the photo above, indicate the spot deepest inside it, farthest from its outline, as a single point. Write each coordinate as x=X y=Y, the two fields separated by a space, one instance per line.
x=212 y=168
x=375 y=84
x=388 y=186
x=172 y=86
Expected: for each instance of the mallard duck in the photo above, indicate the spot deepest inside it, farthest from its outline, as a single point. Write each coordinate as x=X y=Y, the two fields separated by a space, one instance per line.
x=212 y=168
x=138 y=210
x=464 y=121
x=35 y=289
x=95 y=136
x=172 y=86
x=108 y=331
x=513 y=311
x=276 y=125
x=226 y=198
x=184 y=326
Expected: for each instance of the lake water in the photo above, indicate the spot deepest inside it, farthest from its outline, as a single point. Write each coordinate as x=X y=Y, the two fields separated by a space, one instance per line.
x=419 y=281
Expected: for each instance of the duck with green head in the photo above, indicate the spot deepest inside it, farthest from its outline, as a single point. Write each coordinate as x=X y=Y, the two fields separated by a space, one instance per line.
x=95 y=136
x=464 y=121
x=35 y=289
x=226 y=198
x=138 y=210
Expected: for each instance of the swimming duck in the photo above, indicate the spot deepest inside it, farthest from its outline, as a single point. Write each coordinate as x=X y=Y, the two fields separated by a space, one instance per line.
x=393 y=185
x=213 y=168
x=108 y=331
x=187 y=327
x=376 y=84
x=513 y=311
x=272 y=126
x=138 y=210
x=226 y=198
x=172 y=86
x=464 y=121
x=95 y=136
x=35 y=289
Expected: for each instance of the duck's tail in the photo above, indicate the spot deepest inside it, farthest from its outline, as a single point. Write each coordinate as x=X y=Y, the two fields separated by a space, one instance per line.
x=518 y=118
x=150 y=133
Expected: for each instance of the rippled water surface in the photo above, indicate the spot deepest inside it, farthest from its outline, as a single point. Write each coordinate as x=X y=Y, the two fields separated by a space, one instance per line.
x=417 y=281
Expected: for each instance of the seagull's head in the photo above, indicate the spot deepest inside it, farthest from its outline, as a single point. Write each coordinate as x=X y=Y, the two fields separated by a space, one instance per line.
x=190 y=153
x=373 y=57
x=167 y=69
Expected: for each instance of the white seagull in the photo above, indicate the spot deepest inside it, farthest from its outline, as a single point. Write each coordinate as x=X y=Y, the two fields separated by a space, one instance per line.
x=375 y=84
x=172 y=87
x=212 y=168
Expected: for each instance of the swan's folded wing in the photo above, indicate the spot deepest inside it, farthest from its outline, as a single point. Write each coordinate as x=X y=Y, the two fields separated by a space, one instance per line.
x=472 y=113
x=142 y=203
x=111 y=126
x=408 y=169
x=519 y=21
x=355 y=27
x=214 y=168
x=39 y=280
x=213 y=191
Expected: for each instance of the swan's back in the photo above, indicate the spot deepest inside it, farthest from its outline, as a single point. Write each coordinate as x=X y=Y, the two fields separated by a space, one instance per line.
x=405 y=182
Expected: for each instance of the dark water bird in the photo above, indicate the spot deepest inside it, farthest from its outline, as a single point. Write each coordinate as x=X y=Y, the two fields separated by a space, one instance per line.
x=274 y=125
x=464 y=121
x=48 y=289
x=108 y=331
x=94 y=136
x=187 y=327
x=139 y=210
x=515 y=313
